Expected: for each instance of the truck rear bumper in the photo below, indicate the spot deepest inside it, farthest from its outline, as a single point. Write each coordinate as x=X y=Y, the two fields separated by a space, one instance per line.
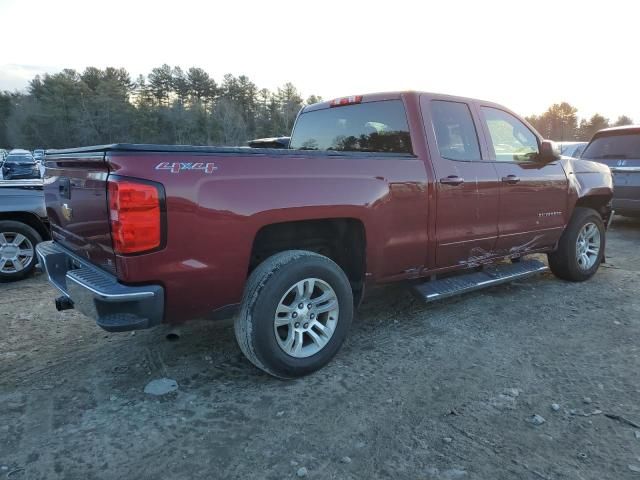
x=97 y=294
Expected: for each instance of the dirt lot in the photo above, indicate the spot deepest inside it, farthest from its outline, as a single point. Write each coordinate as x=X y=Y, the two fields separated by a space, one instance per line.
x=444 y=391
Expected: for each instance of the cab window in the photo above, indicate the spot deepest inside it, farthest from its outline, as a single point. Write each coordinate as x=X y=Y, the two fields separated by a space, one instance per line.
x=366 y=127
x=512 y=141
x=455 y=131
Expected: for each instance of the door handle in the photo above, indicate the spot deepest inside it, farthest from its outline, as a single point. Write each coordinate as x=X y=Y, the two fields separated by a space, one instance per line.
x=511 y=179
x=452 y=180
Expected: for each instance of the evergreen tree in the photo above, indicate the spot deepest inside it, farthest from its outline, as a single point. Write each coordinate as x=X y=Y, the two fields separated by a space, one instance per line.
x=161 y=83
x=622 y=121
x=588 y=128
x=171 y=105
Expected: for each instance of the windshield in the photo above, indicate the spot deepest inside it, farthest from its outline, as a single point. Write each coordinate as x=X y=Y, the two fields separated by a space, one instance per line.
x=365 y=127
x=614 y=146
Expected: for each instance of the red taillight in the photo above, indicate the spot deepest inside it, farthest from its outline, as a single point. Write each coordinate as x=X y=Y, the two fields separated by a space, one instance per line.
x=135 y=216
x=339 y=102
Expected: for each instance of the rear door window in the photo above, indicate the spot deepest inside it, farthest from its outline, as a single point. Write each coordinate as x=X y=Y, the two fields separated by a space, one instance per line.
x=455 y=131
x=365 y=127
x=620 y=146
x=511 y=139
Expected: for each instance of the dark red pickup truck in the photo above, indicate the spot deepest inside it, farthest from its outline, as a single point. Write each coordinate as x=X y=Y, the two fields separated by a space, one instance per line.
x=372 y=189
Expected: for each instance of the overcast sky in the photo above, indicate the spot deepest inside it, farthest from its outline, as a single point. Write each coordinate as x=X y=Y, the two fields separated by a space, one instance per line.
x=525 y=55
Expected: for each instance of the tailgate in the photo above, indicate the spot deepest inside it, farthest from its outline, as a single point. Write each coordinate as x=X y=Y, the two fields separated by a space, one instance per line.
x=75 y=190
x=626 y=184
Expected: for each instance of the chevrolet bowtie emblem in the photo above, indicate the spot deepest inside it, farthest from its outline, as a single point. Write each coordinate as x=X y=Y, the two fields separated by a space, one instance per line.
x=67 y=212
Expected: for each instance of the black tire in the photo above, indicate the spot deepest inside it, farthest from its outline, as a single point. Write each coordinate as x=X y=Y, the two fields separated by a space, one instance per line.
x=563 y=261
x=254 y=325
x=33 y=236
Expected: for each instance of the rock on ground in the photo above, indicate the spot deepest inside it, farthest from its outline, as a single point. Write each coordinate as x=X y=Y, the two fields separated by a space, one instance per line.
x=536 y=420
x=161 y=386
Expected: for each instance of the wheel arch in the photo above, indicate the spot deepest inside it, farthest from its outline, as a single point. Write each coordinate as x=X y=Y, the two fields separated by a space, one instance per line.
x=30 y=219
x=600 y=202
x=342 y=239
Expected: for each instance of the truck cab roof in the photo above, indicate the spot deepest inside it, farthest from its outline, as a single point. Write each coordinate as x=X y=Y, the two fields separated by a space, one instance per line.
x=381 y=96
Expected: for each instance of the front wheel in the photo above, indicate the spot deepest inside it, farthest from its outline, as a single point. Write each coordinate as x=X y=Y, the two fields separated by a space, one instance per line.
x=581 y=247
x=295 y=314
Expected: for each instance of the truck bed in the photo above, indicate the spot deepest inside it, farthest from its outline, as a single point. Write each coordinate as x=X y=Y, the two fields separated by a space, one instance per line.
x=212 y=217
x=213 y=150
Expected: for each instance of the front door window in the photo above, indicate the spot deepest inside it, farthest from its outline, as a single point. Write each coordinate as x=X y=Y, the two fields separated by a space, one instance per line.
x=512 y=141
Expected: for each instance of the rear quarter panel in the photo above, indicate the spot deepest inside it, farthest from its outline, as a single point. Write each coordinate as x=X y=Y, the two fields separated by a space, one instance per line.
x=212 y=218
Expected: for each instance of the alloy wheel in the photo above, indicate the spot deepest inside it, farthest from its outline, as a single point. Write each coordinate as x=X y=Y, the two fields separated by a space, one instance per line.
x=588 y=246
x=16 y=252
x=306 y=317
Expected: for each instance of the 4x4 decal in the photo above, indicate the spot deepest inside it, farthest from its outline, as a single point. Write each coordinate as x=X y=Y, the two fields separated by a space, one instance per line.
x=177 y=167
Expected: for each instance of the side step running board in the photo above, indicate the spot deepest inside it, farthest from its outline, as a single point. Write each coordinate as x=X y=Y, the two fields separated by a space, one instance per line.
x=489 y=277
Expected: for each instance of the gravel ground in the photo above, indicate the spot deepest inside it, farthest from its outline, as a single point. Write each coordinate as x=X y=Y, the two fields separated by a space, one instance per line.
x=448 y=391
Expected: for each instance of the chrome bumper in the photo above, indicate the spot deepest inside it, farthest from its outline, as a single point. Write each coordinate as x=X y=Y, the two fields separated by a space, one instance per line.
x=97 y=294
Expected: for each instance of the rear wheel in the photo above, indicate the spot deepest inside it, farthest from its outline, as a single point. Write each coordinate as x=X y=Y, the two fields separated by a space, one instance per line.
x=581 y=247
x=295 y=314
x=17 y=250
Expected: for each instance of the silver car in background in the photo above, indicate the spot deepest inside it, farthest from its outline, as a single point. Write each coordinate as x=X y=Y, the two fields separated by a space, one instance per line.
x=571 y=149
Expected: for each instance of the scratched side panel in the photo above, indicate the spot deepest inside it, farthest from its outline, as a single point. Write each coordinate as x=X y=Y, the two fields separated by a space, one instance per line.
x=467 y=213
x=533 y=212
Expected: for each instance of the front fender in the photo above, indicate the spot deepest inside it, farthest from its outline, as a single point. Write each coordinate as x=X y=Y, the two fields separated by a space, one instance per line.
x=588 y=181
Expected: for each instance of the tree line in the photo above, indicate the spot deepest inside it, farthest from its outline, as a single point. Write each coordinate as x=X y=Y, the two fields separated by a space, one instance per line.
x=560 y=123
x=169 y=105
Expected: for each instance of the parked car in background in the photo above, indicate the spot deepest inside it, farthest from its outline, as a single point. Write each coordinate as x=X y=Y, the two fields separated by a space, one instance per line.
x=38 y=154
x=23 y=224
x=372 y=189
x=619 y=148
x=571 y=149
x=3 y=154
x=20 y=164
